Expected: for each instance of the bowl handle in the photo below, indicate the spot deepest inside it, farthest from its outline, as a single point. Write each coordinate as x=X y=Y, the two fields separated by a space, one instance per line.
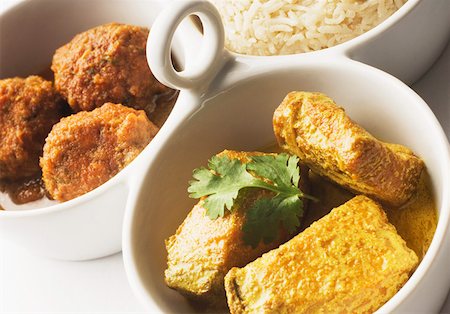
x=204 y=57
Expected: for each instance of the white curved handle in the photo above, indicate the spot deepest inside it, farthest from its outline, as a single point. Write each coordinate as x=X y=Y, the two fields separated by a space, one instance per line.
x=202 y=67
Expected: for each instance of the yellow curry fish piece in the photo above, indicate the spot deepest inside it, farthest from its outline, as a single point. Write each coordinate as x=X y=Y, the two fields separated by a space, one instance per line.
x=203 y=250
x=350 y=261
x=313 y=127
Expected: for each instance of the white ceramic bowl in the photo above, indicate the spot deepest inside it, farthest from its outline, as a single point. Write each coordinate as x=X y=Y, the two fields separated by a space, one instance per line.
x=89 y=226
x=231 y=107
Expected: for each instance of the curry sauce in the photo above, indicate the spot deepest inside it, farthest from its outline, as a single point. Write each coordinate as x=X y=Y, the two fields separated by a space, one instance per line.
x=416 y=221
x=24 y=190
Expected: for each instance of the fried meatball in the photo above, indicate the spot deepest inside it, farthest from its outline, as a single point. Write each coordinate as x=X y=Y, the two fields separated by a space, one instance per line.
x=107 y=64
x=28 y=109
x=88 y=148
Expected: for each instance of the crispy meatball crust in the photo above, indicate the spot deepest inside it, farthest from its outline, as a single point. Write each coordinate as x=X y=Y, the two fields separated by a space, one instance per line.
x=88 y=148
x=107 y=64
x=28 y=109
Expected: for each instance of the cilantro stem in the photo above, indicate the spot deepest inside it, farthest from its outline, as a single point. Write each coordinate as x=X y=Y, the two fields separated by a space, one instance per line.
x=292 y=190
x=263 y=185
x=309 y=197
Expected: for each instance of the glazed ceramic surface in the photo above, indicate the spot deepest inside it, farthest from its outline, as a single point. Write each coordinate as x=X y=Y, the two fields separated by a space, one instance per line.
x=230 y=106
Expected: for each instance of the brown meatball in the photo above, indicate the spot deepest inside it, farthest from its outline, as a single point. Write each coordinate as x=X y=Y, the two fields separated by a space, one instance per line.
x=28 y=109
x=88 y=148
x=107 y=64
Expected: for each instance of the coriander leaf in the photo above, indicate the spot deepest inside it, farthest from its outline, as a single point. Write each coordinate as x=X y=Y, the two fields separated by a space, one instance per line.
x=262 y=222
x=291 y=211
x=265 y=218
x=281 y=169
x=294 y=170
x=215 y=203
x=202 y=178
x=221 y=184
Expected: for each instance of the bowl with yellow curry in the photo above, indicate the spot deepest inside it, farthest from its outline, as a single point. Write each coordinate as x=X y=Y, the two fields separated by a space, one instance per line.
x=314 y=185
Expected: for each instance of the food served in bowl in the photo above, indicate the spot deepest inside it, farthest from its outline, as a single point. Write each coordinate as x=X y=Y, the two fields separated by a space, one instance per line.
x=287 y=27
x=86 y=149
x=107 y=64
x=232 y=107
x=101 y=65
x=28 y=109
x=353 y=258
x=236 y=112
x=52 y=228
x=314 y=128
x=203 y=250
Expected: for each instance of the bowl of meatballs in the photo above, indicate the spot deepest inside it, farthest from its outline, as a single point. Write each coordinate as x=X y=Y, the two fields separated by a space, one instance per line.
x=75 y=116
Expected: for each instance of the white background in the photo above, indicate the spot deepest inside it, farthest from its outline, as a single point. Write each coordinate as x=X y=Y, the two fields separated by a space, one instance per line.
x=31 y=284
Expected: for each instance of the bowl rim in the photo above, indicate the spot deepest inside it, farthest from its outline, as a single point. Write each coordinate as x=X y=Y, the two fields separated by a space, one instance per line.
x=426 y=265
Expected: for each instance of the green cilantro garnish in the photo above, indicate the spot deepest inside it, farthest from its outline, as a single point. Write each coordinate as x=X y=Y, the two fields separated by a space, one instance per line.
x=278 y=173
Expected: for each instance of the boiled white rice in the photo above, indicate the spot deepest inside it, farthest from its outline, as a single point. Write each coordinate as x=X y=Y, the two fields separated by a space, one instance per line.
x=277 y=27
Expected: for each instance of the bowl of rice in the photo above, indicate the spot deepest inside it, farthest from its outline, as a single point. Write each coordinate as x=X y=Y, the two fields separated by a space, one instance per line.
x=391 y=35
x=267 y=28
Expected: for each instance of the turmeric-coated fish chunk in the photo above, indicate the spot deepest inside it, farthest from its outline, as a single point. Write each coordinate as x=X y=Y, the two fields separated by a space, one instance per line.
x=314 y=128
x=350 y=261
x=203 y=250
